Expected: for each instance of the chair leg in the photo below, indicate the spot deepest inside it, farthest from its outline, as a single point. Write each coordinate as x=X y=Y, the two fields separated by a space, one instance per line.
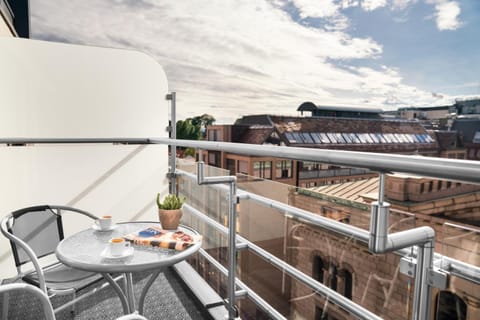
x=5 y=305
x=72 y=312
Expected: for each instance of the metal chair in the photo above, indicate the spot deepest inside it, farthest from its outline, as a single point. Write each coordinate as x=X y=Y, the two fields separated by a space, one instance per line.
x=45 y=302
x=35 y=232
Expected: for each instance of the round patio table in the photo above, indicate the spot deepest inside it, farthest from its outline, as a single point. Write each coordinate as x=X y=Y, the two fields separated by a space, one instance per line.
x=85 y=250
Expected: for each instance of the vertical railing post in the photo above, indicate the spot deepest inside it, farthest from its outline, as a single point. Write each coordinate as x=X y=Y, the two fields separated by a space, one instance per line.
x=379 y=220
x=232 y=231
x=422 y=296
x=172 y=134
x=381 y=242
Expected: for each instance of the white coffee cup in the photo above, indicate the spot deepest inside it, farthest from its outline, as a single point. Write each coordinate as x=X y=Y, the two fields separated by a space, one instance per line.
x=118 y=246
x=104 y=222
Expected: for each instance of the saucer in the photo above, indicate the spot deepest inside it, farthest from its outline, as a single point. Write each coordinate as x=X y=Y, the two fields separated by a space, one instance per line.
x=97 y=227
x=108 y=255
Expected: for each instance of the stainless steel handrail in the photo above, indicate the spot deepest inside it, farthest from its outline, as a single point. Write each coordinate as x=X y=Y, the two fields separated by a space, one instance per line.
x=453 y=169
x=459 y=170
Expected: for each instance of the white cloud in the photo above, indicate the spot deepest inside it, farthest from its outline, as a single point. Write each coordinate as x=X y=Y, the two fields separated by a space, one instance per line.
x=370 y=5
x=317 y=8
x=349 y=3
x=230 y=58
x=402 y=4
x=446 y=14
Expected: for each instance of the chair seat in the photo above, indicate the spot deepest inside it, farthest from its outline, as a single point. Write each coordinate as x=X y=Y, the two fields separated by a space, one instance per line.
x=61 y=277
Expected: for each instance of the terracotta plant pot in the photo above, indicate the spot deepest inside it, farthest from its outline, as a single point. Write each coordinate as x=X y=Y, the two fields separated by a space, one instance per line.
x=170 y=219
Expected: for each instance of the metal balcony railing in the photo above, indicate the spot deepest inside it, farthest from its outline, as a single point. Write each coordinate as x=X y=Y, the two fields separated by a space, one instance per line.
x=379 y=240
x=377 y=237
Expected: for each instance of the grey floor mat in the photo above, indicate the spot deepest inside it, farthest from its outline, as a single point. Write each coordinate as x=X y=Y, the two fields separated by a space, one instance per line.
x=168 y=298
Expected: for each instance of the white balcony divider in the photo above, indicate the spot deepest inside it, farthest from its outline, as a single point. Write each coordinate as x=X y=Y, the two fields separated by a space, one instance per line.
x=58 y=90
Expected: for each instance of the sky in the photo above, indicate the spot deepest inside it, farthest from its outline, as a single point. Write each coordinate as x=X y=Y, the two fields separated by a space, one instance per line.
x=230 y=58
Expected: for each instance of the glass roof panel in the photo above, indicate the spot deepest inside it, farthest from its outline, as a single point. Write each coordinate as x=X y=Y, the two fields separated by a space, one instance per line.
x=420 y=138
x=340 y=138
x=374 y=138
x=324 y=137
x=381 y=138
x=297 y=136
x=354 y=138
x=410 y=137
x=306 y=137
x=347 y=138
x=428 y=138
x=387 y=137
x=393 y=138
x=290 y=137
x=332 y=137
x=361 y=136
x=399 y=137
x=316 y=137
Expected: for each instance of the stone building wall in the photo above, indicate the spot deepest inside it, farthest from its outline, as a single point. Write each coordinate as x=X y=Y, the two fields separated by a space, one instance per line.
x=377 y=283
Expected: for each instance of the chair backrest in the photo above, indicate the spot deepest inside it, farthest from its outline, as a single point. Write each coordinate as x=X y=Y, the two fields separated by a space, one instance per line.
x=32 y=293
x=39 y=227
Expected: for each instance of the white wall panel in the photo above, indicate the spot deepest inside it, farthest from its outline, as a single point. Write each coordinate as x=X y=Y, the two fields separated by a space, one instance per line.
x=51 y=90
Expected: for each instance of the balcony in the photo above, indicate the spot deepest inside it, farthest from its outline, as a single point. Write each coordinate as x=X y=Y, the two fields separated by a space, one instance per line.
x=297 y=261
x=270 y=250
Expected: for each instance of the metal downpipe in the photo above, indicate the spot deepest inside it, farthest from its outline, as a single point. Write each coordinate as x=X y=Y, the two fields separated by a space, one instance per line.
x=173 y=147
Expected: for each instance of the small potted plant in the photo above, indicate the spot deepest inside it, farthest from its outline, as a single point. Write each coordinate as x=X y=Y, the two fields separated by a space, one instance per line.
x=170 y=211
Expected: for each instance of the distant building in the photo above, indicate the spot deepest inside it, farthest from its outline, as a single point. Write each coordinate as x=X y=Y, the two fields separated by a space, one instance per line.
x=425 y=113
x=467 y=107
x=345 y=195
x=349 y=269
x=468 y=130
x=339 y=131
x=340 y=111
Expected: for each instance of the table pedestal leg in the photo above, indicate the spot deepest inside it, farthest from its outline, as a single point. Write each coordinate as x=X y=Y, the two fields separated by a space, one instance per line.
x=118 y=290
x=145 y=289
x=129 y=292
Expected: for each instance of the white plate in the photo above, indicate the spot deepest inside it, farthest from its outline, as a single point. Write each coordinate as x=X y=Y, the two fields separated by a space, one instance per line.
x=108 y=255
x=97 y=227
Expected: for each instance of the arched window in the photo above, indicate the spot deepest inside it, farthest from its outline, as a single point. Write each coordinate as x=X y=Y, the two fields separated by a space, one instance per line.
x=318 y=269
x=332 y=277
x=346 y=283
x=450 y=307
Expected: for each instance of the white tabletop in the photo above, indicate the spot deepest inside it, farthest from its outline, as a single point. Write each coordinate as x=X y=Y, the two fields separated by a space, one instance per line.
x=83 y=250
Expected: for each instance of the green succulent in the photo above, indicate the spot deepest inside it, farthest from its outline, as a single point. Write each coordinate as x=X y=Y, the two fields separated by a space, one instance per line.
x=170 y=202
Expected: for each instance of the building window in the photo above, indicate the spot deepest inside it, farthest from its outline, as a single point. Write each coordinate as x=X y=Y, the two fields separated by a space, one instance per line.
x=243 y=167
x=450 y=307
x=318 y=269
x=262 y=169
x=214 y=158
x=283 y=169
x=231 y=166
x=340 y=280
x=332 y=281
x=213 y=135
x=309 y=166
x=345 y=286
